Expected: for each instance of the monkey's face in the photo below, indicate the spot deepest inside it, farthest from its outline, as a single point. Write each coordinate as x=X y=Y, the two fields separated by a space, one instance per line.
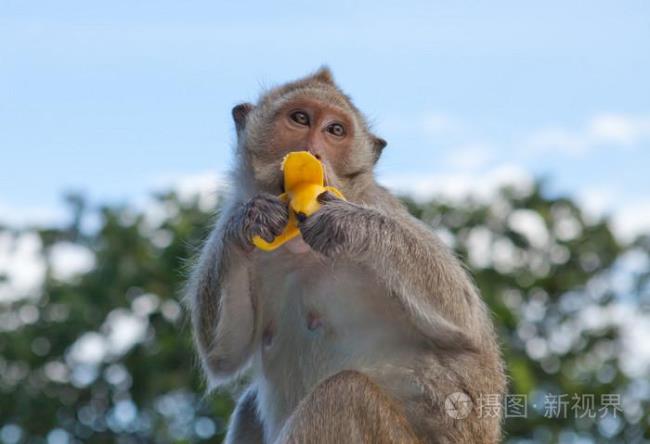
x=324 y=130
x=308 y=115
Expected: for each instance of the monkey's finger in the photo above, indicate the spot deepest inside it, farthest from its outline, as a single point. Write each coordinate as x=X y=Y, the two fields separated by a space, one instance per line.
x=280 y=205
x=267 y=235
x=327 y=196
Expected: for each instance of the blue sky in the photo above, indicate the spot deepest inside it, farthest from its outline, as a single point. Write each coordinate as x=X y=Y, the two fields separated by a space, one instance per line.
x=116 y=98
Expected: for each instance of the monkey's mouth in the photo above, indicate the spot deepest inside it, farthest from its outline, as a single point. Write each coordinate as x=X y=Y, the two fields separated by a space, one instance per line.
x=326 y=180
x=329 y=177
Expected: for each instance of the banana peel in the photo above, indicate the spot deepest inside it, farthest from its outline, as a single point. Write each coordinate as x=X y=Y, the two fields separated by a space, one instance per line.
x=304 y=181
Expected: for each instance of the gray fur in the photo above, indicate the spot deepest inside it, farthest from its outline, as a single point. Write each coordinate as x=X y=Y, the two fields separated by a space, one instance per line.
x=264 y=215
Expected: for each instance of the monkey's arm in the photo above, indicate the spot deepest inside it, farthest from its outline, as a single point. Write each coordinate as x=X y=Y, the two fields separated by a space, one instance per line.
x=219 y=292
x=418 y=269
x=221 y=307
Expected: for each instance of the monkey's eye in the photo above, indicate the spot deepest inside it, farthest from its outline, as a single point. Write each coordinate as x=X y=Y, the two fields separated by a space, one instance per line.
x=336 y=129
x=300 y=117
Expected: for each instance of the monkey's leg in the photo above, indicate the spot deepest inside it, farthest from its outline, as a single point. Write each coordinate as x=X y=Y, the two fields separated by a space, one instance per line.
x=245 y=426
x=347 y=407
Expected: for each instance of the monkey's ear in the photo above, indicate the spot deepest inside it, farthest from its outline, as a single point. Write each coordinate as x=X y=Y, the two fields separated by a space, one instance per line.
x=324 y=75
x=239 y=114
x=378 y=144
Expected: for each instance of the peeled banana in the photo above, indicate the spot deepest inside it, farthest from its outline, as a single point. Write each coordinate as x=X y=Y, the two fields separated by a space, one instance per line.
x=303 y=183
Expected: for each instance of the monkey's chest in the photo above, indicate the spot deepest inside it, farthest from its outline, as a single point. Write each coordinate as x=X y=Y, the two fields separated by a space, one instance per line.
x=324 y=310
x=317 y=319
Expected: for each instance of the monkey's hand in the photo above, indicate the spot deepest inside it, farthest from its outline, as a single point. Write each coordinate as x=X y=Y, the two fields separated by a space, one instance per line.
x=264 y=215
x=337 y=228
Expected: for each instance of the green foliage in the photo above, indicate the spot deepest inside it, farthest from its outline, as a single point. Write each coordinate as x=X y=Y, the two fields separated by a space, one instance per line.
x=105 y=355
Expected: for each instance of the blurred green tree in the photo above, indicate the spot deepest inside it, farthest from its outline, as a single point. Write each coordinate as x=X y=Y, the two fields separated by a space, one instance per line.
x=100 y=351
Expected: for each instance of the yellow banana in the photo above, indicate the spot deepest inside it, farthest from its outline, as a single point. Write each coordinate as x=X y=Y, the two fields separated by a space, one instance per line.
x=303 y=183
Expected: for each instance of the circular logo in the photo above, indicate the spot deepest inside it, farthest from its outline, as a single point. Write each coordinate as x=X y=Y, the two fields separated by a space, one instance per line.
x=458 y=405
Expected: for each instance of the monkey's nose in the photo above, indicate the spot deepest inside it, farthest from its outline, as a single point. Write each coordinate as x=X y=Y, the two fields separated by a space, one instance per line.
x=313 y=153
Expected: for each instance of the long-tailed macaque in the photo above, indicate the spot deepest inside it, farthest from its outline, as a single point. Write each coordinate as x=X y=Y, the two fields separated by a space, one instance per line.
x=359 y=330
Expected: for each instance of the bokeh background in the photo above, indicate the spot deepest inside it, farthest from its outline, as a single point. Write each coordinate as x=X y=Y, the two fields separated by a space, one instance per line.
x=520 y=132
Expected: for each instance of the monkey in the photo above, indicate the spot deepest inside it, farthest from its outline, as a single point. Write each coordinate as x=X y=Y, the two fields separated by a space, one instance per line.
x=360 y=329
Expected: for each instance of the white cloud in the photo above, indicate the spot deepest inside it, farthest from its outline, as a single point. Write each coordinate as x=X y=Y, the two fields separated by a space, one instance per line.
x=619 y=129
x=469 y=157
x=432 y=124
x=205 y=186
x=603 y=130
x=68 y=260
x=557 y=139
x=20 y=216
x=629 y=218
x=460 y=186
